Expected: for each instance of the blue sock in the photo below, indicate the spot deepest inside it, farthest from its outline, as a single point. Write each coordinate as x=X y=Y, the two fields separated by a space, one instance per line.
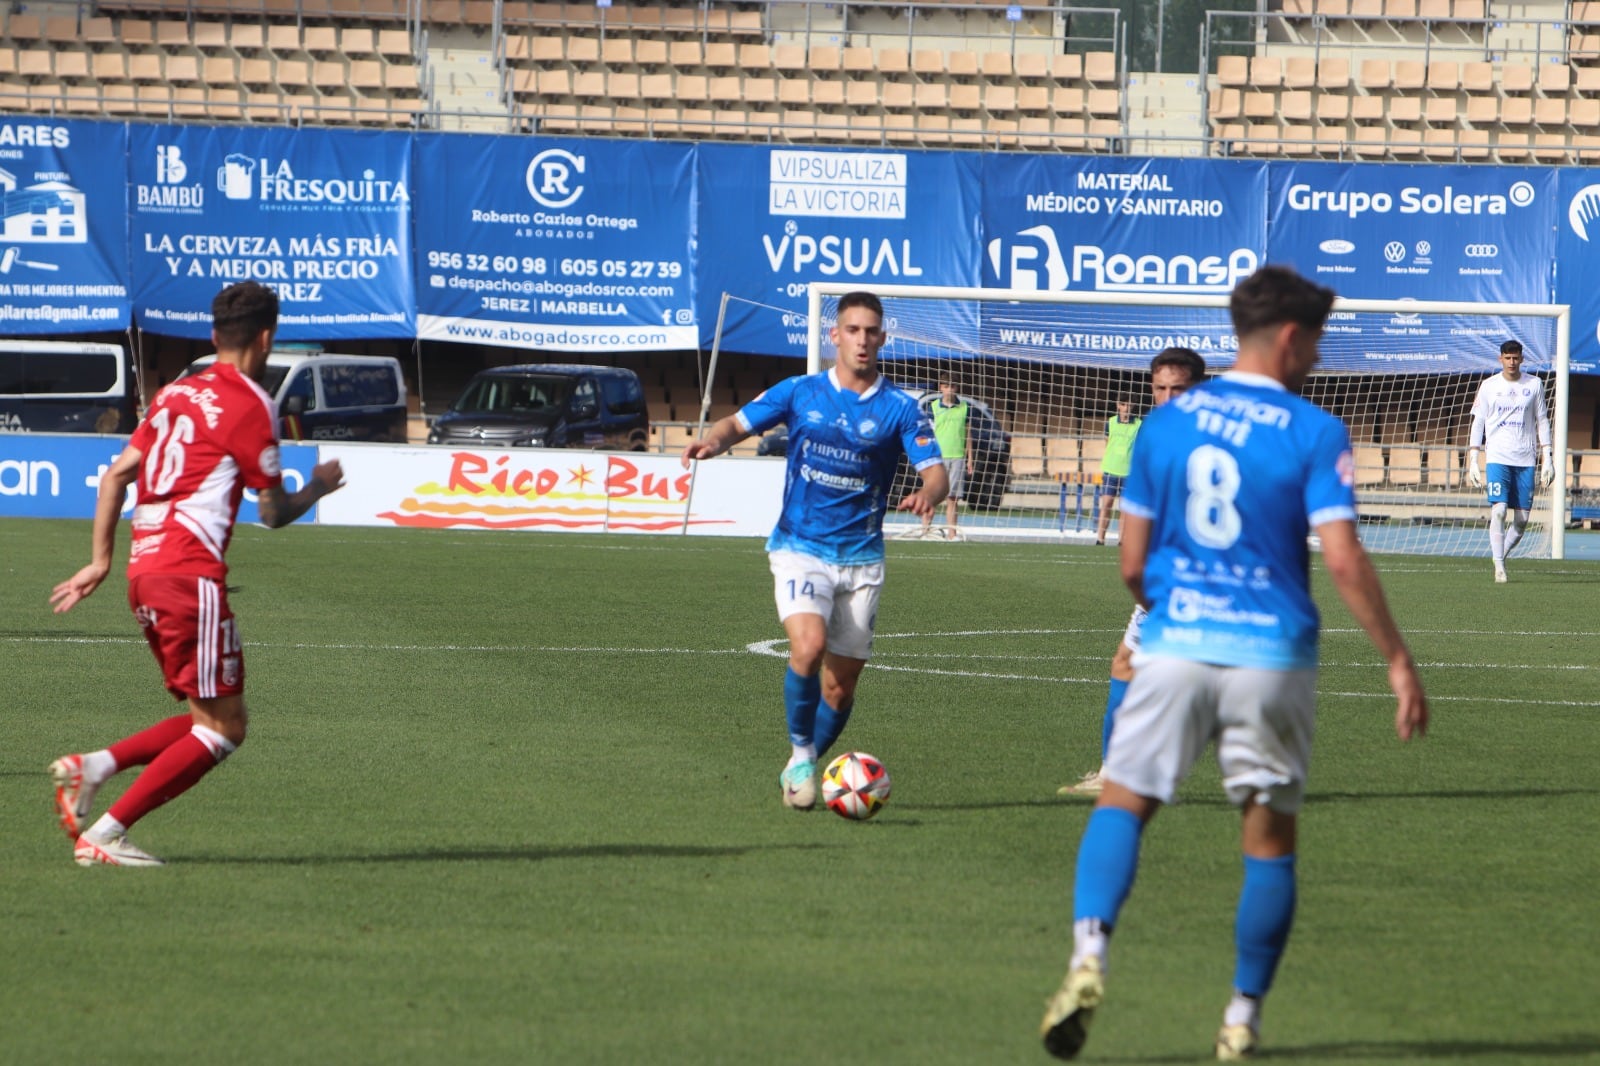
x=1119 y=689
x=800 y=698
x=1108 y=857
x=830 y=723
x=1261 y=928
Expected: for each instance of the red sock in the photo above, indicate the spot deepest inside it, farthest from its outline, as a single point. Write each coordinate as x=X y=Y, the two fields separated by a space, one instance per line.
x=142 y=748
x=170 y=775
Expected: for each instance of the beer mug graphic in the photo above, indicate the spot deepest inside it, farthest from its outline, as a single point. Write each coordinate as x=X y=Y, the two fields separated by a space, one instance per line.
x=233 y=176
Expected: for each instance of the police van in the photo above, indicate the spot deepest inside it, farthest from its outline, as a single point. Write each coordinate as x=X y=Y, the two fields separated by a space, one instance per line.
x=66 y=387
x=328 y=396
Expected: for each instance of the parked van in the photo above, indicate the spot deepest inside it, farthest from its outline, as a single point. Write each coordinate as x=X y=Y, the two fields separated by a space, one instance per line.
x=548 y=405
x=327 y=396
x=66 y=387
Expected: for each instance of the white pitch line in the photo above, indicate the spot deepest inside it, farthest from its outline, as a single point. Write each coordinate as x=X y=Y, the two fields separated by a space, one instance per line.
x=770 y=648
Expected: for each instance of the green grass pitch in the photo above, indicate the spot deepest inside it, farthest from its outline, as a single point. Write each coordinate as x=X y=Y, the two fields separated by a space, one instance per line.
x=513 y=799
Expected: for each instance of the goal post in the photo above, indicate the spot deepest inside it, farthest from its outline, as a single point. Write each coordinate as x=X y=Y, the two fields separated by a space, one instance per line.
x=1050 y=367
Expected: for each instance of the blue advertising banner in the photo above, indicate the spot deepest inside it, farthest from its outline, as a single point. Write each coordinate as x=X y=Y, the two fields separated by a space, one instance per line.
x=322 y=216
x=58 y=476
x=1416 y=231
x=1425 y=233
x=63 y=226
x=577 y=245
x=1150 y=226
x=773 y=219
x=1578 y=263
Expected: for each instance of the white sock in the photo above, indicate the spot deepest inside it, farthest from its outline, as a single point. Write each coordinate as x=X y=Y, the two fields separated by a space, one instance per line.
x=1497 y=535
x=105 y=830
x=1243 y=1010
x=218 y=745
x=1519 y=524
x=99 y=765
x=1089 y=940
x=803 y=753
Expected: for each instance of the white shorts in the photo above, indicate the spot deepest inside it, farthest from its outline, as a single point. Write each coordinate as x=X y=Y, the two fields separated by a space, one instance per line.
x=1262 y=721
x=845 y=596
x=1130 y=636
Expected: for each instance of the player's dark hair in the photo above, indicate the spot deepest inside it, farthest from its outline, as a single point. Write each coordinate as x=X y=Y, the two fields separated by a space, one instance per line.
x=1274 y=295
x=1186 y=359
x=1511 y=348
x=861 y=299
x=241 y=311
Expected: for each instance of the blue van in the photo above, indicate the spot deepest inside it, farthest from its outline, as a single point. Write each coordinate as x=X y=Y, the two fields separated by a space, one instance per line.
x=66 y=387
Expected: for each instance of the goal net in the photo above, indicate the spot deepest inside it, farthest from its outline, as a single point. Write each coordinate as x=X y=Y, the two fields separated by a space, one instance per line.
x=1044 y=373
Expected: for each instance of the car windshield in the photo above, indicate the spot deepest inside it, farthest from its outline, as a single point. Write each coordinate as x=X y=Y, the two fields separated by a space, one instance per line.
x=506 y=394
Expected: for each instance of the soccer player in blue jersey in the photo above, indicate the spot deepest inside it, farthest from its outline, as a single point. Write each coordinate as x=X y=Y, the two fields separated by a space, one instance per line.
x=1172 y=371
x=1227 y=482
x=847 y=429
x=1509 y=420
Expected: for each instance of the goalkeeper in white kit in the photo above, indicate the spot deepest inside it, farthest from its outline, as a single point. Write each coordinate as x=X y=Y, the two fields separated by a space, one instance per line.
x=1509 y=417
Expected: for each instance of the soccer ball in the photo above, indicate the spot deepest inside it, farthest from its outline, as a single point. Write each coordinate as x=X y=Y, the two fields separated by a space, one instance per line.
x=855 y=786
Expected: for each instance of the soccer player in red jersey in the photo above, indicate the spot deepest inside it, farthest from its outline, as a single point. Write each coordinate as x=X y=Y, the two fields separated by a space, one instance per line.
x=205 y=440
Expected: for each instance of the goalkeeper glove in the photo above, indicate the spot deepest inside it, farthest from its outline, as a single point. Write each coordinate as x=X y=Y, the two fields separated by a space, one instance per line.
x=1474 y=474
x=1547 y=475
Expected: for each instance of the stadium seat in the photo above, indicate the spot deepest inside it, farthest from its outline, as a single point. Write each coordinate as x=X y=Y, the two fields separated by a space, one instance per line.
x=1233 y=71
x=1444 y=76
x=1405 y=466
x=1404 y=111
x=1439 y=143
x=1376 y=76
x=1555 y=79
x=1477 y=78
x=1516 y=78
x=1225 y=105
x=1299 y=139
x=1441 y=110
x=961 y=63
x=1370 y=142
x=182 y=70
x=1333 y=74
x=1551 y=148
x=1062 y=457
x=1266 y=72
x=1100 y=68
x=1513 y=146
x=1473 y=143
x=1027 y=456
x=1333 y=109
x=1260 y=106
x=1066 y=66
x=1366 y=110
x=1516 y=111
x=581 y=50
x=1299 y=72
x=1550 y=112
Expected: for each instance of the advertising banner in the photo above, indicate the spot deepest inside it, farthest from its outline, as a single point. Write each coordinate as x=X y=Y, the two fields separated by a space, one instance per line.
x=322 y=216
x=1578 y=263
x=58 y=476
x=63 y=226
x=773 y=219
x=1117 y=225
x=552 y=490
x=573 y=245
x=1424 y=233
